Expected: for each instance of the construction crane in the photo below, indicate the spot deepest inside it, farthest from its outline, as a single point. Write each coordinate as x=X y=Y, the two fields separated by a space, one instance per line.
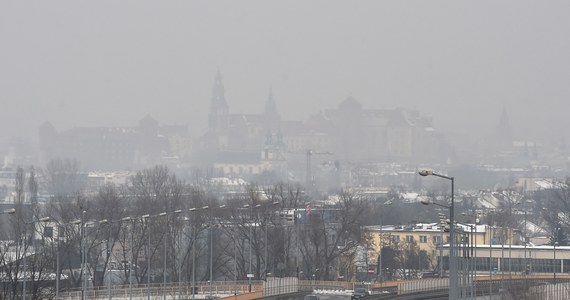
x=310 y=153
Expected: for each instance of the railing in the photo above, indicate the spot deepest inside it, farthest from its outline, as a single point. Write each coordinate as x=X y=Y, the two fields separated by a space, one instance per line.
x=202 y=290
x=534 y=284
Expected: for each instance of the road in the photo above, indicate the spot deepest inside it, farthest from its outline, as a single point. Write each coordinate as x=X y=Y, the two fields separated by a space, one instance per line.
x=335 y=297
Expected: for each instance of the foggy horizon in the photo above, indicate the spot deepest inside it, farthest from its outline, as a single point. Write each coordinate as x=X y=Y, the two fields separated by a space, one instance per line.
x=109 y=64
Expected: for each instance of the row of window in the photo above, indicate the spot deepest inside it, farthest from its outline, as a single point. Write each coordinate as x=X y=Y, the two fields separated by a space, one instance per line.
x=240 y=170
x=436 y=240
x=529 y=265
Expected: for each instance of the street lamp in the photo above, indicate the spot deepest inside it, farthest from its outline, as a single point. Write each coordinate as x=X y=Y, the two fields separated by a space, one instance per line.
x=62 y=227
x=84 y=243
x=380 y=256
x=442 y=224
x=266 y=243
x=57 y=263
x=83 y=256
x=468 y=241
x=44 y=219
x=556 y=232
x=249 y=274
x=211 y=248
x=129 y=219
x=145 y=219
x=109 y=254
x=194 y=209
x=453 y=273
x=163 y=214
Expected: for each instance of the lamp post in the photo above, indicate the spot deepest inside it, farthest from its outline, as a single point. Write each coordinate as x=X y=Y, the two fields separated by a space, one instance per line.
x=249 y=241
x=556 y=232
x=165 y=214
x=45 y=219
x=178 y=211
x=442 y=229
x=194 y=251
x=211 y=248
x=61 y=227
x=83 y=257
x=211 y=254
x=129 y=219
x=453 y=272
x=526 y=265
x=250 y=275
x=146 y=219
x=379 y=263
x=180 y=258
x=266 y=242
x=472 y=263
x=108 y=269
x=57 y=266
x=84 y=236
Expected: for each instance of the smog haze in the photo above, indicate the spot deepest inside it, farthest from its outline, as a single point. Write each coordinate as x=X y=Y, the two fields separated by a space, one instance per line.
x=110 y=63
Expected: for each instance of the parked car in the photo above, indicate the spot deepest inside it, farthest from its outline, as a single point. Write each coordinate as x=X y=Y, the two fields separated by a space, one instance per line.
x=359 y=293
x=311 y=297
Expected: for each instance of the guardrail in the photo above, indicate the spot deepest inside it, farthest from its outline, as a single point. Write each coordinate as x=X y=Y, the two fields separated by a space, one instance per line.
x=543 y=284
x=202 y=290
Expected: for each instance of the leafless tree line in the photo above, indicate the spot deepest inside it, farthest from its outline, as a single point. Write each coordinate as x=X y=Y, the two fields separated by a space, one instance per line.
x=122 y=228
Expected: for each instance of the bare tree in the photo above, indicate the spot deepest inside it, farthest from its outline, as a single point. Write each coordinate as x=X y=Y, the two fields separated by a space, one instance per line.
x=33 y=186
x=108 y=205
x=61 y=178
x=554 y=203
x=152 y=191
x=330 y=228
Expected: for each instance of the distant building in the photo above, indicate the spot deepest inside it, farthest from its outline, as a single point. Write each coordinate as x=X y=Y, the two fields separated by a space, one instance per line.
x=115 y=148
x=250 y=144
x=238 y=144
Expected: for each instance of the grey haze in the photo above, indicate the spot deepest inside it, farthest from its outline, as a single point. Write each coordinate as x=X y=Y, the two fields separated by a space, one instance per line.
x=109 y=63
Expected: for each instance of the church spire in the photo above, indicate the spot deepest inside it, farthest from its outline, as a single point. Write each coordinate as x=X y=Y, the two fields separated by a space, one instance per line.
x=272 y=117
x=218 y=104
x=270 y=107
x=504 y=131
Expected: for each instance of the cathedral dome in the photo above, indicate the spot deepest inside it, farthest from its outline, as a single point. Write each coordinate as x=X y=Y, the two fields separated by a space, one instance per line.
x=350 y=104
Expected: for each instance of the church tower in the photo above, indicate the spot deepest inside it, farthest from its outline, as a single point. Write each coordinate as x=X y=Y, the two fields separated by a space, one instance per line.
x=504 y=133
x=270 y=113
x=218 y=117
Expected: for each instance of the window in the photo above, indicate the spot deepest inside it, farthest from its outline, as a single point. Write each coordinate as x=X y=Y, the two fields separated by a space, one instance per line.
x=423 y=239
x=395 y=238
x=48 y=231
x=436 y=240
x=409 y=238
x=60 y=231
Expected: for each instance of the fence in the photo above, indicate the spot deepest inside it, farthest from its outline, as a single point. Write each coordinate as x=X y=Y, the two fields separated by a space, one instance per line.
x=515 y=287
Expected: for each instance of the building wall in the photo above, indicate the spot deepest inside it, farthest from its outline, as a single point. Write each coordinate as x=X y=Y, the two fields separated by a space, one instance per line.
x=427 y=240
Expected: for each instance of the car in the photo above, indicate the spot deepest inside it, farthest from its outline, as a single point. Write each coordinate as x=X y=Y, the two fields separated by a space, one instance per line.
x=311 y=297
x=359 y=293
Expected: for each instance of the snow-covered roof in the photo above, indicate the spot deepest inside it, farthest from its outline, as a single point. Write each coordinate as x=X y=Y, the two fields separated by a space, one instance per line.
x=544 y=184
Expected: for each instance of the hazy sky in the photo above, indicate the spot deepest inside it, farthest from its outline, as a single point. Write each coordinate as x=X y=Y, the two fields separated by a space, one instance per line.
x=88 y=63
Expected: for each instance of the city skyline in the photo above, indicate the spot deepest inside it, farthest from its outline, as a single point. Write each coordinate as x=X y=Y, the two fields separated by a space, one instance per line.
x=460 y=63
